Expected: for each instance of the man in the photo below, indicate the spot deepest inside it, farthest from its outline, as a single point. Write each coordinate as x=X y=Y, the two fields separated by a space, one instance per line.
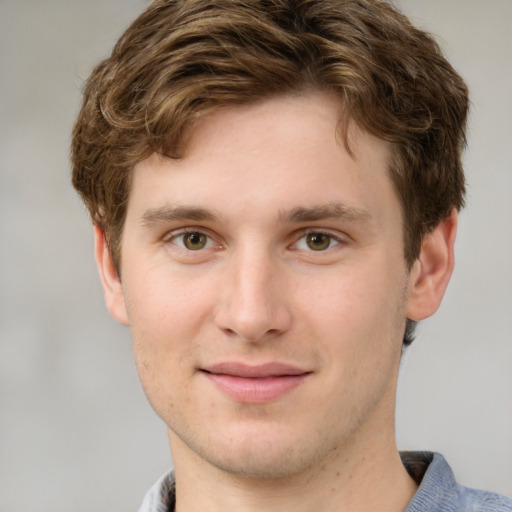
x=274 y=187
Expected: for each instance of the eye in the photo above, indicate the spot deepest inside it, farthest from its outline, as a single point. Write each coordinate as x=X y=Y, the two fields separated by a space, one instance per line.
x=193 y=241
x=316 y=241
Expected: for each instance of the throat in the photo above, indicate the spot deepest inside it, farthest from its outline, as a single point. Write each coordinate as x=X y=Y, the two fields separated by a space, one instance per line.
x=365 y=485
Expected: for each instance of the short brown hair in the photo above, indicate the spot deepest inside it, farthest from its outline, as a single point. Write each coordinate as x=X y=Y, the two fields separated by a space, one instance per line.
x=184 y=58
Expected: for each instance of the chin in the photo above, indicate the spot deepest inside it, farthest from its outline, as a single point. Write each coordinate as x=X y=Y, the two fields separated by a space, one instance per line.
x=263 y=466
x=259 y=458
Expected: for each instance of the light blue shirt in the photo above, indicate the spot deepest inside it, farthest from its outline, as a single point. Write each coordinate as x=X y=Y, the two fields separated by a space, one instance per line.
x=438 y=491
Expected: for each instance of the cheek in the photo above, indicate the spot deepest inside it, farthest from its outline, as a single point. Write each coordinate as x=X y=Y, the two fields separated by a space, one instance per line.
x=359 y=310
x=165 y=320
x=353 y=324
x=161 y=301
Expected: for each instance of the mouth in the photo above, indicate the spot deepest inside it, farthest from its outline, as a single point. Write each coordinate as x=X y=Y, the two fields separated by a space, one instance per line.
x=255 y=384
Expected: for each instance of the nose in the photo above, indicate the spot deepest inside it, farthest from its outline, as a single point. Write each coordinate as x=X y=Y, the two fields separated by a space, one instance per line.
x=253 y=302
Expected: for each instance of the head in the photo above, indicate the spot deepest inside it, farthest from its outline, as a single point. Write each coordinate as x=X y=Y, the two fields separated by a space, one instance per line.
x=191 y=91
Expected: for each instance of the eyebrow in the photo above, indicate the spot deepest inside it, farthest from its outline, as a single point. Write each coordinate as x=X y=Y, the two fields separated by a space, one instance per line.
x=335 y=211
x=297 y=215
x=173 y=213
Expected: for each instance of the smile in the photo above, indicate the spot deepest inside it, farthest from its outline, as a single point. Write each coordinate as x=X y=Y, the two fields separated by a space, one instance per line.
x=255 y=384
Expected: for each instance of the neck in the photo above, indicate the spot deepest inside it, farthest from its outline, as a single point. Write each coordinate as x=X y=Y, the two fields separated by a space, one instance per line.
x=352 y=479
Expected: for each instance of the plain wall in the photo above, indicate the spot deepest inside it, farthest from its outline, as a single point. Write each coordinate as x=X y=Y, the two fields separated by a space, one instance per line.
x=76 y=432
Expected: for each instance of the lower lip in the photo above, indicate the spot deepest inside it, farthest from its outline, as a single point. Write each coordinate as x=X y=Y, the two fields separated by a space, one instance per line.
x=256 y=390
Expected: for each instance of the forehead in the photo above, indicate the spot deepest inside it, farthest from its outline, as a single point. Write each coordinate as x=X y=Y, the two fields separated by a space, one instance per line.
x=279 y=154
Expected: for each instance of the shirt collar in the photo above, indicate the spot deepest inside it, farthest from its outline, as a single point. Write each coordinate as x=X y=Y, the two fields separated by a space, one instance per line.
x=162 y=496
x=429 y=470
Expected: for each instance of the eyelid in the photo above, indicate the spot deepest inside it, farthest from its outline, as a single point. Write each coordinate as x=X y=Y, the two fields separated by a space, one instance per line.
x=171 y=236
x=337 y=237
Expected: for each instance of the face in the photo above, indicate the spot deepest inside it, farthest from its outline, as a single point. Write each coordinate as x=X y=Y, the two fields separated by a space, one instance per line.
x=265 y=286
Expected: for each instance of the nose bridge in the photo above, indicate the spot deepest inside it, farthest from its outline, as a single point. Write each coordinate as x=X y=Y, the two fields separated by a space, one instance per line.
x=252 y=304
x=254 y=281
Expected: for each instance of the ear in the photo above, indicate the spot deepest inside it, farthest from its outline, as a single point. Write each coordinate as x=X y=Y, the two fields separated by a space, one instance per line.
x=431 y=272
x=112 y=287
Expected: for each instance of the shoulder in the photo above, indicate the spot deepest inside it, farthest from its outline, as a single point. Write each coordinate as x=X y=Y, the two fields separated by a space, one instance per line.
x=439 y=492
x=482 y=501
x=474 y=500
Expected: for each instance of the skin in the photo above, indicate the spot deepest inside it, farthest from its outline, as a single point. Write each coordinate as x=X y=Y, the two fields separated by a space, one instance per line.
x=255 y=181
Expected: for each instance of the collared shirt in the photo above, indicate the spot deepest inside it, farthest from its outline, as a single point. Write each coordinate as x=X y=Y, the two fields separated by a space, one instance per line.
x=438 y=491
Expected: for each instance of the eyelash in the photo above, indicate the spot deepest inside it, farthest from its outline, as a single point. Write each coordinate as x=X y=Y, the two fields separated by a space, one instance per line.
x=333 y=240
x=189 y=231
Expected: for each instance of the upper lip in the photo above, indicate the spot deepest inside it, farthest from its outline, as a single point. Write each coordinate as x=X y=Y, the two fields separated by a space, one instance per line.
x=236 y=369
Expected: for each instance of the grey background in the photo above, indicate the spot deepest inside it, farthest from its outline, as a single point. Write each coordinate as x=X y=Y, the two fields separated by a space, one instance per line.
x=75 y=430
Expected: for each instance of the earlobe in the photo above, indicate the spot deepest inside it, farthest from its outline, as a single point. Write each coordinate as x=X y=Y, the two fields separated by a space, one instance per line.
x=432 y=270
x=112 y=287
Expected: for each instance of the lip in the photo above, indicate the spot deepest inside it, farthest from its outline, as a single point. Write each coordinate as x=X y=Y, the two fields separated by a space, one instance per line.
x=255 y=384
